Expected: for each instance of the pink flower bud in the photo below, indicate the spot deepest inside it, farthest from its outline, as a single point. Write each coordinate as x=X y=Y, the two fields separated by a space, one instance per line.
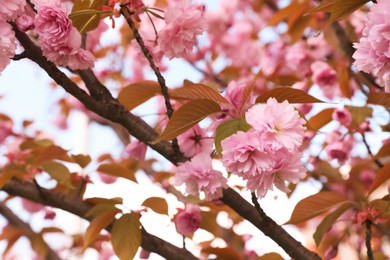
x=343 y=116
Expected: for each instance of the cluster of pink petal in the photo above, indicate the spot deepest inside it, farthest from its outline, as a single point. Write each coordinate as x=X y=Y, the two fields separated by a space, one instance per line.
x=343 y=116
x=338 y=148
x=325 y=77
x=198 y=175
x=188 y=220
x=372 y=53
x=184 y=21
x=60 y=40
x=7 y=44
x=9 y=10
x=267 y=154
x=136 y=150
x=195 y=141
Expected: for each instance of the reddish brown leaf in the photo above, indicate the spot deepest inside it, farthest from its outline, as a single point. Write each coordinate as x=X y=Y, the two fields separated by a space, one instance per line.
x=135 y=94
x=290 y=94
x=197 y=91
x=382 y=175
x=319 y=120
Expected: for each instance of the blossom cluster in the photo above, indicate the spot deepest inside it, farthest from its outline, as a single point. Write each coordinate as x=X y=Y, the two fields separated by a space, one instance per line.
x=59 y=39
x=267 y=154
x=372 y=53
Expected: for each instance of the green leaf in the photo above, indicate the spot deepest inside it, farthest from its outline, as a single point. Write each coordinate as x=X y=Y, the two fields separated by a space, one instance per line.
x=158 y=205
x=58 y=172
x=381 y=98
x=187 y=116
x=197 y=91
x=319 y=120
x=292 y=95
x=315 y=205
x=118 y=171
x=137 y=93
x=86 y=14
x=228 y=128
x=382 y=175
x=126 y=236
x=359 y=114
x=97 y=225
x=328 y=221
x=81 y=159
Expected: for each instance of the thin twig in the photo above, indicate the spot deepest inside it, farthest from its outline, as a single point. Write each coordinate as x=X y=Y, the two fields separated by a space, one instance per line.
x=377 y=162
x=161 y=80
x=19 y=56
x=17 y=222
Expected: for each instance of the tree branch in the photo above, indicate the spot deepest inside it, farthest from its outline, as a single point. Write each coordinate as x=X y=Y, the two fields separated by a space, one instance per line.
x=78 y=207
x=17 y=222
x=111 y=109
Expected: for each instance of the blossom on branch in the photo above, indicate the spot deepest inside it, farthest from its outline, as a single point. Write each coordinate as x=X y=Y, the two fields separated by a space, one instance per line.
x=372 y=53
x=9 y=10
x=267 y=154
x=184 y=21
x=7 y=44
x=188 y=220
x=198 y=175
x=60 y=40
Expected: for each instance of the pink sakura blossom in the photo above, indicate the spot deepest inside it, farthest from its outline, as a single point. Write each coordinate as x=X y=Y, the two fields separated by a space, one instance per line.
x=244 y=154
x=9 y=10
x=372 y=53
x=25 y=21
x=198 y=175
x=325 y=77
x=338 y=147
x=93 y=37
x=31 y=206
x=7 y=44
x=343 y=116
x=107 y=179
x=144 y=254
x=188 y=220
x=278 y=121
x=184 y=21
x=60 y=40
x=136 y=150
x=195 y=141
x=299 y=59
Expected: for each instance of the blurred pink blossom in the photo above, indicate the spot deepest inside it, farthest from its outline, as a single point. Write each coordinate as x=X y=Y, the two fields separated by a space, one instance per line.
x=372 y=53
x=9 y=10
x=25 y=21
x=136 y=150
x=184 y=21
x=343 y=116
x=188 y=220
x=7 y=44
x=195 y=141
x=325 y=77
x=198 y=175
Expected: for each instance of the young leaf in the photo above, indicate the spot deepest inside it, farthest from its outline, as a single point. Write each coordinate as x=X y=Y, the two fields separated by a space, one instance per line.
x=197 y=91
x=344 y=83
x=187 y=116
x=383 y=151
x=228 y=128
x=135 y=94
x=81 y=159
x=53 y=153
x=341 y=9
x=328 y=221
x=97 y=225
x=118 y=171
x=248 y=90
x=126 y=236
x=315 y=205
x=158 y=205
x=58 y=172
x=100 y=209
x=381 y=98
x=382 y=175
x=316 y=122
x=290 y=94
x=86 y=14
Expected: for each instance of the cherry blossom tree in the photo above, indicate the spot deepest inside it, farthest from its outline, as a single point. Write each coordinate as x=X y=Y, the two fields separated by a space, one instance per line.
x=290 y=94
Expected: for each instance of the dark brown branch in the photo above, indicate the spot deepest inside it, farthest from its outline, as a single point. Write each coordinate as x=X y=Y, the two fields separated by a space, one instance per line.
x=271 y=229
x=78 y=207
x=377 y=162
x=17 y=222
x=370 y=255
x=109 y=108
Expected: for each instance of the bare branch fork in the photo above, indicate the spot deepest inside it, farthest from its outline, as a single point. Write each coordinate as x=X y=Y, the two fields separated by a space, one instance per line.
x=102 y=103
